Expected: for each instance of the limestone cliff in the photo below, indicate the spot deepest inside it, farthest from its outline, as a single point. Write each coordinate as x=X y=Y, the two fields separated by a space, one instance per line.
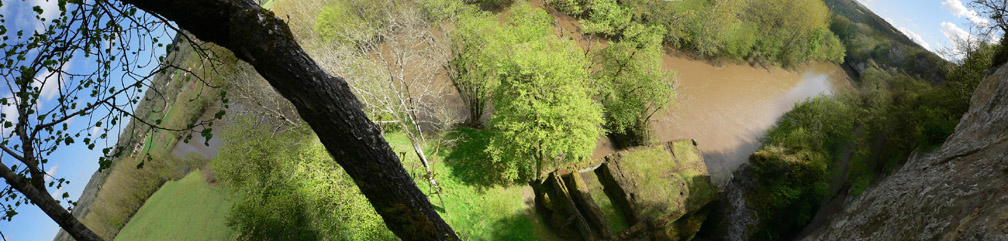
x=957 y=192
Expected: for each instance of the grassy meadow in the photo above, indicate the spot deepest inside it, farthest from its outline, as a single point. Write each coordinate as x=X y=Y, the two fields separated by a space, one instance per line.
x=187 y=209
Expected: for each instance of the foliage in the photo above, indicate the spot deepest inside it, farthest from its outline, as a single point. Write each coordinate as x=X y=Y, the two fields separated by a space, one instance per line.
x=478 y=46
x=544 y=112
x=527 y=24
x=286 y=186
x=869 y=40
x=633 y=85
x=778 y=31
x=605 y=17
x=350 y=22
x=187 y=209
x=440 y=10
x=798 y=25
x=895 y=114
x=492 y=4
x=570 y=7
x=477 y=207
x=964 y=78
x=791 y=187
x=791 y=167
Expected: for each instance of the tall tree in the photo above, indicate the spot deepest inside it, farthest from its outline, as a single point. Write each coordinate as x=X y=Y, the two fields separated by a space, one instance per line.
x=633 y=85
x=395 y=75
x=477 y=45
x=324 y=101
x=544 y=114
x=996 y=10
x=55 y=97
x=254 y=34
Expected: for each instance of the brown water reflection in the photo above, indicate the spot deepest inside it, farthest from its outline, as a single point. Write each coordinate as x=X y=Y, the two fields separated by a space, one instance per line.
x=727 y=108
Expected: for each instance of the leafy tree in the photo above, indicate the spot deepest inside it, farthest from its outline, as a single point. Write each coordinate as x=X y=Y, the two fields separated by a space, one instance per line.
x=478 y=46
x=711 y=26
x=527 y=24
x=71 y=76
x=350 y=21
x=606 y=17
x=790 y=27
x=570 y=7
x=634 y=86
x=253 y=34
x=544 y=115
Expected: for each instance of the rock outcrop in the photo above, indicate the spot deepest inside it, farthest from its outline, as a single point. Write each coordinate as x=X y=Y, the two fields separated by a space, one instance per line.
x=662 y=192
x=957 y=192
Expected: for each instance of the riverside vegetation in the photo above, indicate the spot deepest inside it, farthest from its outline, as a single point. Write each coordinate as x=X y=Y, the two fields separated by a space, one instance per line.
x=548 y=100
x=907 y=101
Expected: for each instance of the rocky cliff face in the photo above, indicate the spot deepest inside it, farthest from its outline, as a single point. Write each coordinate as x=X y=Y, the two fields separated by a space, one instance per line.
x=957 y=192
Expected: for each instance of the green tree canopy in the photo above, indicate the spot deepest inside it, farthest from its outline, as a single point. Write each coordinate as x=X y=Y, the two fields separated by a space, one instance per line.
x=633 y=85
x=478 y=45
x=544 y=115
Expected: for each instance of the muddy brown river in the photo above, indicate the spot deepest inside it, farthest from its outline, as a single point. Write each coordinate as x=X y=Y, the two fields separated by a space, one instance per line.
x=726 y=108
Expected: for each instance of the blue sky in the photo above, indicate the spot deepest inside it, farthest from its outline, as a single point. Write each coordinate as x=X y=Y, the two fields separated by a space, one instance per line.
x=75 y=163
x=930 y=23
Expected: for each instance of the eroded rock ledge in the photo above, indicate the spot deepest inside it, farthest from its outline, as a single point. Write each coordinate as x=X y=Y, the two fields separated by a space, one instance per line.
x=656 y=192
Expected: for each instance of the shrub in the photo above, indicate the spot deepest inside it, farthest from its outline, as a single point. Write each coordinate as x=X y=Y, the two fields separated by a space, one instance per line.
x=606 y=17
x=350 y=22
x=570 y=7
x=287 y=187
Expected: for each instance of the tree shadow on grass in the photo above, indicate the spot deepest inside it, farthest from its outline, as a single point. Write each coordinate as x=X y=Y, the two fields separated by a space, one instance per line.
x=468 y=162
x=515 y=227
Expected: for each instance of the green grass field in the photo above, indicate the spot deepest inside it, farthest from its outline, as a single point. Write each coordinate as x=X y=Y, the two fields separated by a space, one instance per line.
x=187 y=209
x=475 y=209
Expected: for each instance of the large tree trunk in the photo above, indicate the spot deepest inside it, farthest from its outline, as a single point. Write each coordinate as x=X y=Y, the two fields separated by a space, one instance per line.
x=49 y=206
x=322 y=100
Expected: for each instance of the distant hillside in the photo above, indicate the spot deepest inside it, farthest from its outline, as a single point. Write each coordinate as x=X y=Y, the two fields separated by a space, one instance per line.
x=856 y=12
x=870 y=40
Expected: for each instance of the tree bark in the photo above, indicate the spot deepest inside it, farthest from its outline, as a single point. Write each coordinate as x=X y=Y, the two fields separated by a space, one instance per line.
x=49 y=206
x=325 y=102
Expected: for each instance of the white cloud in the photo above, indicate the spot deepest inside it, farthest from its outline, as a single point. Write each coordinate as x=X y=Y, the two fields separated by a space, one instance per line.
x=52 y=172
x=11 y=114
x=915 y=37
x=48 y=82
x=50 y=10
x=957 y=8
x=51 y=82
x=956 y=34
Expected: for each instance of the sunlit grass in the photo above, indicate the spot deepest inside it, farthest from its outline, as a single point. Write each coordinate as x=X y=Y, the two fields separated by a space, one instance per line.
x=188 y=209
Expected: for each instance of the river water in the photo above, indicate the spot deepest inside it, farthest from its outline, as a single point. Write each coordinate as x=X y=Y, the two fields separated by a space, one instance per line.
x=725 y=107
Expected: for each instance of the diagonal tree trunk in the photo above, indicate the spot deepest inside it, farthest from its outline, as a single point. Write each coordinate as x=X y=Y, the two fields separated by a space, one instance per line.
x=325 y=102
x=49 y=205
